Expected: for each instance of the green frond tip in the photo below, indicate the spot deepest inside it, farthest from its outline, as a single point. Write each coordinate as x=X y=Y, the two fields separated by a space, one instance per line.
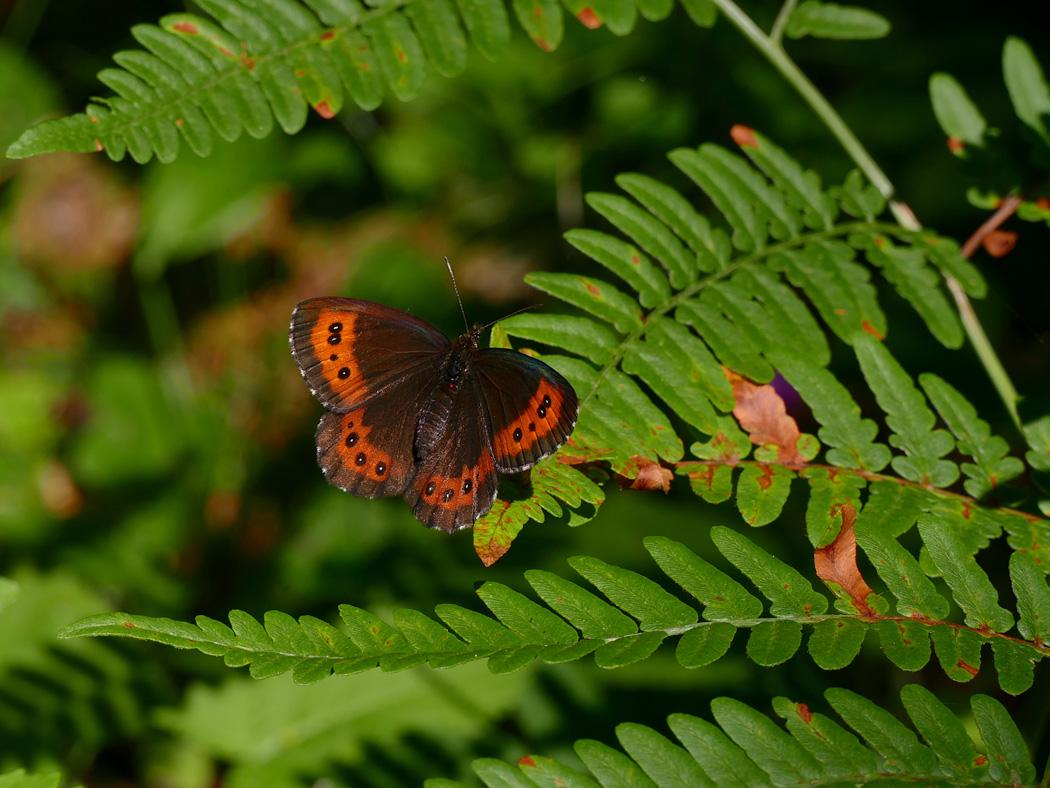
x=744 y=747
x=76 y=133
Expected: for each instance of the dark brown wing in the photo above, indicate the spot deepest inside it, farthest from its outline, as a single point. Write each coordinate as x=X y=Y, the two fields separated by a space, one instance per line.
x=532 y=409
x=351 y=351
x=456 y=481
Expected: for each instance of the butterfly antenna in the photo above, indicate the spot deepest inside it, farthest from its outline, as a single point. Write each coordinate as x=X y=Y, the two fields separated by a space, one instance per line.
x=460 y=300
x=516 y=312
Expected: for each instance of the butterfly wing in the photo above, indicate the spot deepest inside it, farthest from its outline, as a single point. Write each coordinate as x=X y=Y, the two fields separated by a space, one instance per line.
x=532 y=409
x=456 y=478
x=350 y=351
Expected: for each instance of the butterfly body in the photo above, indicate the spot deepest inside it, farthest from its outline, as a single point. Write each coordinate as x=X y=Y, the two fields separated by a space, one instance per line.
x=413 y=414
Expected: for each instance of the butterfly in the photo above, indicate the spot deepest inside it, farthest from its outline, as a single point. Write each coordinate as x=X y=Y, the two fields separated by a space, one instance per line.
x=411 y=413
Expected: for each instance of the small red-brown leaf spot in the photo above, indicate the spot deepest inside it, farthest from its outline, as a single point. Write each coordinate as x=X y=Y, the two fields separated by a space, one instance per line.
x=589 y=18
x=968 y=668
x=980 y=760
x=185 y=27
x=635 y=259
x=870 y=329
x=594 y=291
x=527 y=761
x=327 y=35
x=248 y=62
x=225 y=52
x=93 y=118
x=365 y=67
x=401 y=55
x=840 y=311
x=956 y=145
x=744 y=136
x=129 y=625
x=300 y=73
x=324 y=109
x=542 y=43
x=537 y=12
x=179 y=122
x=1043 y=203
x=804 y=712
x=999 y=243
x=98 y=145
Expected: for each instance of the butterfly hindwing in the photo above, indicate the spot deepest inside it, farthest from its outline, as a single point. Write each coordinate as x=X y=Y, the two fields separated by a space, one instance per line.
x=349 y=350
x=456 y=479
x=532 y=409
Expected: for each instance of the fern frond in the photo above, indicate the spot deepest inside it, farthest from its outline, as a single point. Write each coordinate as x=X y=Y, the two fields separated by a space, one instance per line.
x=744 y=747
x=256 y=61
x=631 y=615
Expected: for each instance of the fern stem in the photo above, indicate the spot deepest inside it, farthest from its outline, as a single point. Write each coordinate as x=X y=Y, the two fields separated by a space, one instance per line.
x=820 y=105
x=777 y=32
x=774 y=52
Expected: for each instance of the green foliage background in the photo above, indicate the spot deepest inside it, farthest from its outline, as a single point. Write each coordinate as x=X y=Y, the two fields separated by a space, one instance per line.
x=156 y=448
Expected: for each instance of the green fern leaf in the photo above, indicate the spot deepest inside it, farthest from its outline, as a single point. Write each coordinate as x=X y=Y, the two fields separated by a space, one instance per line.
x=498 y=774
x=898 y=745
x=440 y=34
x=649 y=233
x=548 y=773
x=612 y=768
x=761 y=492
x=1008 y=758
x=838 y=286
x=858 y=198
x=944 y=253
x=908 y=416
x=578 y=335
x=906 y=269
x=488 y=25
x=726 y=193
x=788 y=591
x=667 y=764
x=531 y=621
x=842 y=428
x=835 y=644
x=839 y=752
x=651 y=605
x=664 y=374
x=591 y=295
x=905 y=643
x=972 y=589
x=801 y=188
x=993 y=467
x=699 y=647
x=1027 y=86
x=721 y=596
x=773 y=643
x=669 y=206
x=624 y=260
x=944 y=734
x=722 y=760
x=828 y=491
x=593 y=617
x=1015 y=665
x=1033 y=598
x=724 y=338
x=770 y=747
x=915 y=593
x=958 y=651
x=789 y=316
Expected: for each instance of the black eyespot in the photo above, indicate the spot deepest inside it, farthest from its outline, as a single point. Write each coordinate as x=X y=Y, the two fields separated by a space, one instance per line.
x=335 y=328
x=447 y=496
x=344 y=373
x=350 y=424
x=351 y=439
x=334 y=339
x=546 y=401
x=430 y=488
x=360 y=459
x=467 y=485
x=380 y=468
x=517 y=434
x=333 y=357
x=541 y=411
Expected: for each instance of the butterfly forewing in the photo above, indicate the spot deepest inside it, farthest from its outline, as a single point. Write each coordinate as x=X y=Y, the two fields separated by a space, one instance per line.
x=349 y=350
x=532 y=409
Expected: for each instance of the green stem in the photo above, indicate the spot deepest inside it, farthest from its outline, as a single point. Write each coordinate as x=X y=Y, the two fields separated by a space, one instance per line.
x=781 y=21
x=774 y=52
